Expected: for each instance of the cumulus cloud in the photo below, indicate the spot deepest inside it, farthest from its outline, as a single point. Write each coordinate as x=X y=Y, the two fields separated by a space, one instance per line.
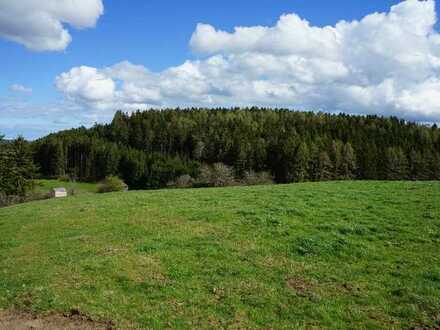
x=40 y=24
x=17 y=88
x=386 y=63
x=86 y=84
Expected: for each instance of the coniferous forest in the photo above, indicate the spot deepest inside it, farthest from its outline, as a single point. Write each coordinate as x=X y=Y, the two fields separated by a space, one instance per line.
x=154 y=148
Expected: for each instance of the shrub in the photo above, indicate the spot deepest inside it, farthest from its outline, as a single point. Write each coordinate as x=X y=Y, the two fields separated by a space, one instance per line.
x=223 y=175
x=111 y=184
x=252 y=178
x=217 y=175
x=183 y=181
x=64 y=178
x=14 y=199
x=204 y=178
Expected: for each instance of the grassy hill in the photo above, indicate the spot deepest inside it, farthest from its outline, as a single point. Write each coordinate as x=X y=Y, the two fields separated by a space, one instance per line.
x=316 y=255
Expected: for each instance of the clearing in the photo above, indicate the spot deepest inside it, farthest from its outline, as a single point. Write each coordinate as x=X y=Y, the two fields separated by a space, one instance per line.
x=79 y=188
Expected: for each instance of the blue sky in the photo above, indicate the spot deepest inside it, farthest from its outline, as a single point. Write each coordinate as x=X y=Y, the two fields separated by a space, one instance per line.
x=156 y=35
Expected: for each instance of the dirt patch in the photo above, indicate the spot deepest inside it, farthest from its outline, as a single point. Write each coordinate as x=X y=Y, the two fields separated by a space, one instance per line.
x=16 y=320
x=350 y=288
x=435 y=326
x=300 y=286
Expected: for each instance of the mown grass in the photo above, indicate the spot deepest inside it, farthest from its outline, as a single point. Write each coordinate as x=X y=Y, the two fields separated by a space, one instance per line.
x=340 y=255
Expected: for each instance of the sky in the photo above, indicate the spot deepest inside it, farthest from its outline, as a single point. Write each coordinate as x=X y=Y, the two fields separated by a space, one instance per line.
x=66 y=63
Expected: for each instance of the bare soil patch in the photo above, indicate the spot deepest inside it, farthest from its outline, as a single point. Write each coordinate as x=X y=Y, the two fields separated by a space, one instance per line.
x=300 y=286
x=11 y=319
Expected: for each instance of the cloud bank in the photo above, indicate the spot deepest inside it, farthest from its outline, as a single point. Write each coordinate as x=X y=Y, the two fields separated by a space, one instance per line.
x=385 y=63
x=17 y=88
x=40 y=24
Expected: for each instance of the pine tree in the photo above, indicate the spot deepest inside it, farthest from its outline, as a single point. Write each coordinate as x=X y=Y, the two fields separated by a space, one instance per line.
x=289 y=159
x=59 y=161
x=325 y=167
x=120 y=128
x=5 y=161
x=301 y=166
x=347 y=167
x=416 y=166
x=335 y=154
x=314 y=163
x=17 y=169
x=199 y=150
x=396 y=167
x=434 y=166
x=368 y=162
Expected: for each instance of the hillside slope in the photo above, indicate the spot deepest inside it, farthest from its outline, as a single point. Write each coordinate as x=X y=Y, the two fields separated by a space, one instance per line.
x=331 y=255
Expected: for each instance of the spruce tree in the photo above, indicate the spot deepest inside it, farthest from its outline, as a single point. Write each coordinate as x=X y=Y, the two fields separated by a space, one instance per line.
x=368 y=162
x=417 y=169
x=17 y=169
x=5 y=156
x=347 y=167
x=335 y=154
x=434 y=166
x=289 y=159
x=59 y=159
x=301 y=165
x=396 y=164
x=325 y=167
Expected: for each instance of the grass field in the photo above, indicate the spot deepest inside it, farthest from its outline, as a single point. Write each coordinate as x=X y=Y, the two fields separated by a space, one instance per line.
x=338 y=255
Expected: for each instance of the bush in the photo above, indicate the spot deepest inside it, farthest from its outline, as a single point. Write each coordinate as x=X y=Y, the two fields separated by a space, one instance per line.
x=14 y=199
x=112 y=184
x=217 y=175
x=64 y=178
x=252 y=178
x=223 y=175
x=183 y=181
x=204 y=177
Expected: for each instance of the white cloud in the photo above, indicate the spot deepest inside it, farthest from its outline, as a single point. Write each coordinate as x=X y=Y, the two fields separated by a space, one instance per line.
x=386 y=63
x=291 y=35
x=40 y=24
x=87 y=84
x=17 y=88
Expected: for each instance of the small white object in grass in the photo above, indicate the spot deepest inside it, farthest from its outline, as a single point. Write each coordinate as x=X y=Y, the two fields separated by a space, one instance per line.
x=59 y=192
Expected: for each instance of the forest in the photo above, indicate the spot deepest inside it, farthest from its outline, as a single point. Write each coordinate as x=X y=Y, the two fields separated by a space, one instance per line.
x=214 y=147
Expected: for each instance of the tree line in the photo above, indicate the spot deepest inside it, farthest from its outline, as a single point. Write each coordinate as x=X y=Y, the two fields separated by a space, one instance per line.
x=150 y=149
x=17 y=169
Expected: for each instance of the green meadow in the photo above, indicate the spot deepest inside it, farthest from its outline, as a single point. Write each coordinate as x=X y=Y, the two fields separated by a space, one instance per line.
x=337 y=255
